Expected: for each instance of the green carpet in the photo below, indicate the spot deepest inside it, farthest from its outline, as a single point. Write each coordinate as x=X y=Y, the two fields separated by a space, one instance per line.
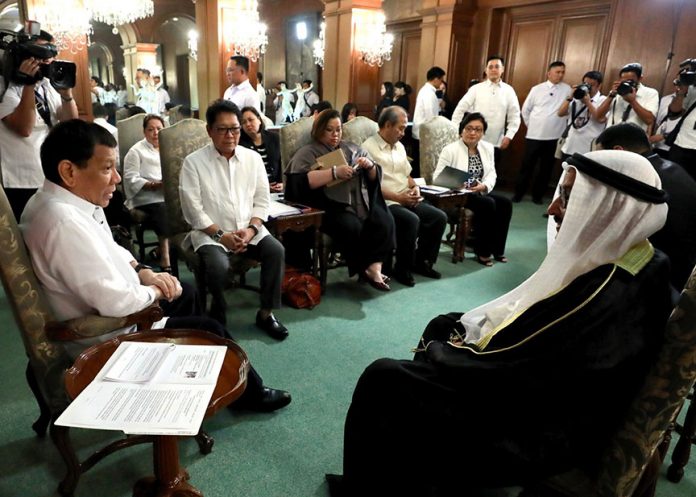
x=284 y=453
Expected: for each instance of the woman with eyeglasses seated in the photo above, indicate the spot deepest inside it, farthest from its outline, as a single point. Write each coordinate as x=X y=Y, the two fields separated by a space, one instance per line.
x=142 y=183
x=350 y=194
x=492 y=212
x=267 y=144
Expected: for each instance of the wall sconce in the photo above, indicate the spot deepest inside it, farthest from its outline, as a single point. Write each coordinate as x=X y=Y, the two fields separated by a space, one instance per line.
x=193 y=44
x=372 y=41
x=318 y=46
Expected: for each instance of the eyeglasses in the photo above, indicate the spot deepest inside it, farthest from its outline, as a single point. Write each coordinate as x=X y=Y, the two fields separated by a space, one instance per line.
x=235 y=130
x=471 y=129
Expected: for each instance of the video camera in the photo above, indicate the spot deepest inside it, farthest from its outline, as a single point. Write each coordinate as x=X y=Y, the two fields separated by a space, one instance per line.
x=19 y=46
x=687 y=73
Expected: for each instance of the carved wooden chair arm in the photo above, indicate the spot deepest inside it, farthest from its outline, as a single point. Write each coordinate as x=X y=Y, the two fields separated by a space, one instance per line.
x=93 y=325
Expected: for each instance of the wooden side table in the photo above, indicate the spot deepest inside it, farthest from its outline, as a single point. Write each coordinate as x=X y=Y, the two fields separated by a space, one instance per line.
x=453 y=201
x=307 y=219
x=170 y=478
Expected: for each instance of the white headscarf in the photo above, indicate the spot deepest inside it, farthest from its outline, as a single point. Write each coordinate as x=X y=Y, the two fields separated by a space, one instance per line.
x=600 y=225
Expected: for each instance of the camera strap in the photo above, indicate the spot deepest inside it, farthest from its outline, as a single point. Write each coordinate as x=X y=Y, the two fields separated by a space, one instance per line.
x=42 y=106
x=574 y=115
x=624 y=116
x=672 y=137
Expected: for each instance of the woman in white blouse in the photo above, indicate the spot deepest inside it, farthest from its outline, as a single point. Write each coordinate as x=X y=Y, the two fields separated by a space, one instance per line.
x=492 y=212
x=142 y=181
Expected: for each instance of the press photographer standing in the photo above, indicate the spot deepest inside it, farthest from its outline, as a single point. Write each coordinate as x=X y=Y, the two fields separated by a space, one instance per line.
x=629 y=100
x=683 y=137
x=28 y=110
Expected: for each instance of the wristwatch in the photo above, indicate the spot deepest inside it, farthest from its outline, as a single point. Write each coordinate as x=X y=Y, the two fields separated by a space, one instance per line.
x=139 y=267
x=255 y=228
x=217 y=236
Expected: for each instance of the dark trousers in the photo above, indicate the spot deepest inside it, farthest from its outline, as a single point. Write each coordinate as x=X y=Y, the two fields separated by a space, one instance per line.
x=18 y=198
x=685 y=157
x=418 y=234
x=492 y=215
x=541 y=151
x=185 y=314
x=216 y=263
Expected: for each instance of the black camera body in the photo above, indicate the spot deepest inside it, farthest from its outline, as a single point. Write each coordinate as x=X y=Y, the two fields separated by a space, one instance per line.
x=20 y=46
x=581 y=90
x=626 y=87
x=687 y=72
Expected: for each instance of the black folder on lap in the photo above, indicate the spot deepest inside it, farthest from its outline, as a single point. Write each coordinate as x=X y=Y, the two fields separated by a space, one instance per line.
x=451 y=177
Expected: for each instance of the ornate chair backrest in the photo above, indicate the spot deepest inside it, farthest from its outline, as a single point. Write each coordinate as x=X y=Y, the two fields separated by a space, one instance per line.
x=359 y=129
x=435 y=134
x=174 y=116
x=664 y=391
x=176 y=142
x=130 y=132
x=31 y=311
x=293 y=137
x=121 y=114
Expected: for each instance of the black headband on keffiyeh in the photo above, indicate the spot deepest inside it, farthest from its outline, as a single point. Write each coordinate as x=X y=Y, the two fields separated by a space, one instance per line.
x=621 y=182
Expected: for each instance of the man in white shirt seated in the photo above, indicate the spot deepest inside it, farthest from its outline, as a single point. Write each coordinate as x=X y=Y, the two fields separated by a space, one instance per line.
x=544 y=128
x=81 y=268
x=225 y=198
x=419 y=225
x=240 y=92
x=629 y=101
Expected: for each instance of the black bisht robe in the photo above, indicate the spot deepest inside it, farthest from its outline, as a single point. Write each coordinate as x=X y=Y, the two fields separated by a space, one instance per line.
x=545 y=396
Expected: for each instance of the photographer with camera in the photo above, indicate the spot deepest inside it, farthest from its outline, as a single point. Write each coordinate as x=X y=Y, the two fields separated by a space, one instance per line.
x=637 y=104
x=682 y=139
x=37 y=95
x=585 y=123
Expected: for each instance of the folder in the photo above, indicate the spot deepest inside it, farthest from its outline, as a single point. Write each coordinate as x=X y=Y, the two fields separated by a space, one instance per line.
x=453 y=178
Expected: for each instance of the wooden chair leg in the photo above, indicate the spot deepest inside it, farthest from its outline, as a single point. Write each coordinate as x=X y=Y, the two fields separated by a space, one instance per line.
x=648 y=482
x=682 y=451
x=61 y=438
x=205 y=442
x=140 y=237
x=40 y=425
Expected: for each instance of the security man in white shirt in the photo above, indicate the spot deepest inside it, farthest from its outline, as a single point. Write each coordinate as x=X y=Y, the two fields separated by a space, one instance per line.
x=27 y=113
x=427 y=107
x=498 y=103
x=225 y=198
x=629 y=101
x=240 y=92
x=80 y=266
x=683 y=142
x=544 y=128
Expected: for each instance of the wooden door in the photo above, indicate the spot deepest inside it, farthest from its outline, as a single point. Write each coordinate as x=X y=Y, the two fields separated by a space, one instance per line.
x=576 y=33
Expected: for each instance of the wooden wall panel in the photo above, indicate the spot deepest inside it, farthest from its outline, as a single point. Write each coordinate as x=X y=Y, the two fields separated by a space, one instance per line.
x=529 y=53
x=581 y=45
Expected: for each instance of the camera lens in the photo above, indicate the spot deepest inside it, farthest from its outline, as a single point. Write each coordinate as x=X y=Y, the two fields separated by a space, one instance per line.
x=580 y=91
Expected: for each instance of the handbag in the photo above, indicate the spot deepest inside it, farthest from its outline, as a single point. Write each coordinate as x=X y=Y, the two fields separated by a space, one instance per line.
x=300 y=290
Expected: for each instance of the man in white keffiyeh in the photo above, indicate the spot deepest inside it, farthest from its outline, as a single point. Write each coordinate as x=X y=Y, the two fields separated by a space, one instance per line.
x=550 y=366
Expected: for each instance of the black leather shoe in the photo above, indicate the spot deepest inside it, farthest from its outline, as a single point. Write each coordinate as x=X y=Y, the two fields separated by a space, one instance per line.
x=272 y=326
x=270 y=400
x=425 y=269
x=404 y=277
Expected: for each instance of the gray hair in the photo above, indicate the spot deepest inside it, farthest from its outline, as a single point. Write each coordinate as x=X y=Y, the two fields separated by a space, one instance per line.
x=391 y=115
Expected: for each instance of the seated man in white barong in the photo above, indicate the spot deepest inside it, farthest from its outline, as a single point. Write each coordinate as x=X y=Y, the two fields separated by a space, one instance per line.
x=534 y=382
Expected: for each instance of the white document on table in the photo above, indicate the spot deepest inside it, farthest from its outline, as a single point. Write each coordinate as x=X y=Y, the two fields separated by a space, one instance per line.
x=277 y=209
x=149 y=388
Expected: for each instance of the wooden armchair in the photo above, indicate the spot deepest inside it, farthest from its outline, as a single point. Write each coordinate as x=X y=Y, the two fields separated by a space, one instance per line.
x=176 y=142
x=631 y=462
x=41 y=335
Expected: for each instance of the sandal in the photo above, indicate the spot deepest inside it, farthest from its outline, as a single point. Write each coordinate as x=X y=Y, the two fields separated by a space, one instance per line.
x=484 y=261
x=500 y=258
x=379 y=285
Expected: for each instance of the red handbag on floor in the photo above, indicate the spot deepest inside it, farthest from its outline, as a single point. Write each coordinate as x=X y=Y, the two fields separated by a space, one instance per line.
x=300 y=290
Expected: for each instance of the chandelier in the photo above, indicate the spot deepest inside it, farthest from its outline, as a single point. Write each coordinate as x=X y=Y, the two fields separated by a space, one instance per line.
x=318 y=46
x=371 y=39
x=193 y=44
x=71 y=32
x=245 y=33
x=120 y=12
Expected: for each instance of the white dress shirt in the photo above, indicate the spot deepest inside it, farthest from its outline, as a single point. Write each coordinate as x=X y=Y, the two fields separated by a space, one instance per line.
x=687 y=133
x=228 y=193
x=107 y=126
x=586 y=129
x=427 y=106
x=81 y=268
x=19 y=156
x=499 y=105
x=647 y=97
x=394 y=161
x=456 y=155
x=540 y=111
x=141 y=165
x=243 y=95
